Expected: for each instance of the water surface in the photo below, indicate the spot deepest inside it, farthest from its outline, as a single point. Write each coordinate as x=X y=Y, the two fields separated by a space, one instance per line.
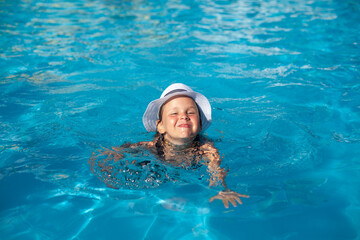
x=283 y=81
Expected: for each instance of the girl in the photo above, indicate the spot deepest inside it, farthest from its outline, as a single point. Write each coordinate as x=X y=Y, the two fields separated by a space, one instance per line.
x=178 y=117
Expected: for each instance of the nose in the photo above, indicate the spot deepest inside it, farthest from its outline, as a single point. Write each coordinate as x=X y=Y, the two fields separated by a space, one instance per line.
x=184 y=116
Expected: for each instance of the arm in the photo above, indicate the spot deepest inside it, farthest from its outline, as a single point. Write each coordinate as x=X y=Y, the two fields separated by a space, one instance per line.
x=108 y=163
x=217 y=174
x=217 y=177
x=117 y=153
x=132 y=147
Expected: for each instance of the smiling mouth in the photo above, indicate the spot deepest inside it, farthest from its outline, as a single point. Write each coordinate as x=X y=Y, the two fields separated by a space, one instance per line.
x=184 y=126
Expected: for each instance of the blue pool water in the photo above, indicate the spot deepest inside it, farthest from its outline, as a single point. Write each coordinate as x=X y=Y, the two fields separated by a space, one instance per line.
x=283 y=80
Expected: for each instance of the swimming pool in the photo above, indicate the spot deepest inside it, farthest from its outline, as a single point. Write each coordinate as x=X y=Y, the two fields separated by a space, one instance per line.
x=283 y=81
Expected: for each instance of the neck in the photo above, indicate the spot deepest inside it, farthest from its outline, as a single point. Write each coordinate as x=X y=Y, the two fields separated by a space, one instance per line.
x=178 y=144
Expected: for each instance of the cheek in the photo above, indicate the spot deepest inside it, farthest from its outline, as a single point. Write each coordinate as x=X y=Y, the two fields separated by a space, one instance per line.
x=170 y=121
x=197 y=121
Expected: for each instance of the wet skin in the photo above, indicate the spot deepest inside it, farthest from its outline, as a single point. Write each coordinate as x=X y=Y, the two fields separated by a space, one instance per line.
x=180 y=121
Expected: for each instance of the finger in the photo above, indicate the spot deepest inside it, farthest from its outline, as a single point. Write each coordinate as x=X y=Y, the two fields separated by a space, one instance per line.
x=233 y=202
x=243 y=195
x=238 y=200
x=213 y=198
x=226 y=203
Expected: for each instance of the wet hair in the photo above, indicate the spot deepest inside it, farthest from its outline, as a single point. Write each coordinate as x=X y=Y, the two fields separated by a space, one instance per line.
x=160 y=144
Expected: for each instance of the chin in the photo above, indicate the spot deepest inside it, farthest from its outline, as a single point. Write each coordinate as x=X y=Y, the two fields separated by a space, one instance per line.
x=188 y=138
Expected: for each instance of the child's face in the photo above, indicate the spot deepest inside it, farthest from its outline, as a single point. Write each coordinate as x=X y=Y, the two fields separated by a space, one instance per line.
x=180 y=120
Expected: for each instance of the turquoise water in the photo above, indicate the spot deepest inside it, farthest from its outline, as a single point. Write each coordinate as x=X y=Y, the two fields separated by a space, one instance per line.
x=284 y=84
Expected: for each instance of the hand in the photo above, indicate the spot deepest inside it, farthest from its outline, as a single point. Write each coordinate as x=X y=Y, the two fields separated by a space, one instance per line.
x=229 y=196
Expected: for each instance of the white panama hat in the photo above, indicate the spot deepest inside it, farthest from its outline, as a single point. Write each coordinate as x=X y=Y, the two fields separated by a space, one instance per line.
x=151 y=114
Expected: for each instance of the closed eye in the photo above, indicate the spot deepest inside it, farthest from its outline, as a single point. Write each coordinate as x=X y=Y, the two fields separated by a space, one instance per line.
x=191 y=111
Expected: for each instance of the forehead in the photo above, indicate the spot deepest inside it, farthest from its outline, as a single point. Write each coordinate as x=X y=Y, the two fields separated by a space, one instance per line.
x=179 y=101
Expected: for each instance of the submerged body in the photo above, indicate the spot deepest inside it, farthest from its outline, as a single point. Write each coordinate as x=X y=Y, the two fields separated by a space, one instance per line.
x=198 y=153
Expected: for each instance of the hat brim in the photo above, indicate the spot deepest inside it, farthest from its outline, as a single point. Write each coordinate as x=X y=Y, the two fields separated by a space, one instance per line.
x=151 y=114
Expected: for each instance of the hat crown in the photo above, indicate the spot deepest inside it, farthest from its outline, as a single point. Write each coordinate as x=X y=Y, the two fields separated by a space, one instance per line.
x=176 y=87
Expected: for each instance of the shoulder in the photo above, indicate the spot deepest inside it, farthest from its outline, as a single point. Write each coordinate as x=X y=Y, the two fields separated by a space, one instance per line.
x=209 y=150
x=207 y=144
x=149 y=144
x=137 y=145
